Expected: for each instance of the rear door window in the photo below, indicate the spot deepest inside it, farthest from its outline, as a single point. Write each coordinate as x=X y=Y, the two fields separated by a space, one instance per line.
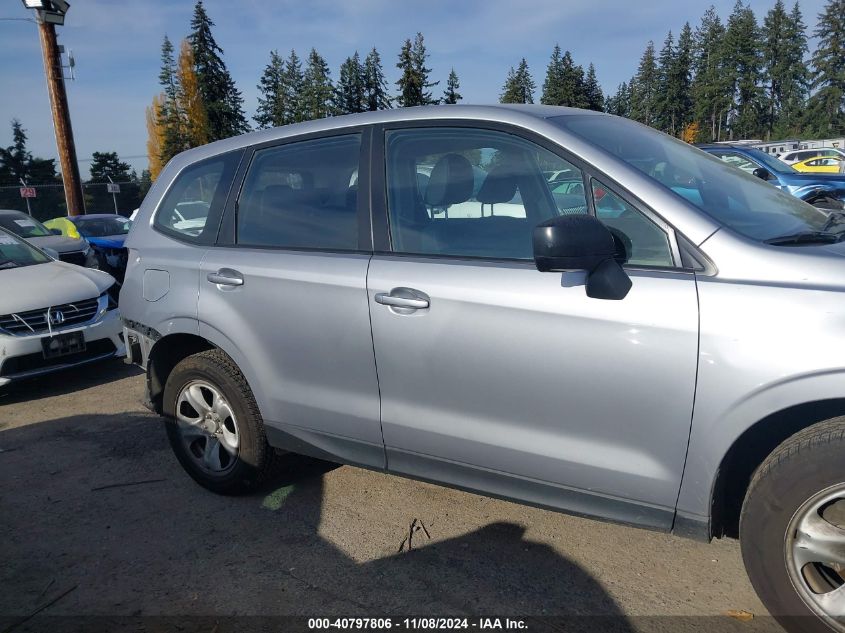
x=302 y=195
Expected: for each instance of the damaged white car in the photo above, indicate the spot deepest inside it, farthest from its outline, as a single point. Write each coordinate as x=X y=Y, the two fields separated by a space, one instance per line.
x=53 y=315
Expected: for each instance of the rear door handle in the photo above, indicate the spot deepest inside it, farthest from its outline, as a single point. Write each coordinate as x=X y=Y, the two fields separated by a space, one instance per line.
x=226 y=277
x=403 y=298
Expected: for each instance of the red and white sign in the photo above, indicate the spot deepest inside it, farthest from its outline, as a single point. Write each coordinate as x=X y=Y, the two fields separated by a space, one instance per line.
x=27 y=192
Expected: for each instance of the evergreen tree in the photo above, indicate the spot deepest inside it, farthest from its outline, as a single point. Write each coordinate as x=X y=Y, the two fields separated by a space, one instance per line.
x=350 y=92
x=272 y=98
x=743 y=72
x=673 y=101
x=644 y=88
x=784 y=44
x=519 y=86
x=105 y=165
x=565 y=84
x=317 y=89
x=451 y=94
x=826 y=112
x=170 y=117
x=414 y=81
x=620 y=103
x=709 y=89
x=223 y=101
x=592 y=90
x=294 y=84
x=375 y=83
x=16 y=163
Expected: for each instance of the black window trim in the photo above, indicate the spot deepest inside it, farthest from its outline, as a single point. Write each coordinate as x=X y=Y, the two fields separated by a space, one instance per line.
x=228 y=233
x=213 y=235
x=382 y=243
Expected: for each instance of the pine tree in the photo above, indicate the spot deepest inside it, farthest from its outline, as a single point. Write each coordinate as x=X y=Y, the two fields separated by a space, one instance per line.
x=451 y=94
x=519 y=86
x=223 y=101
x=414 y=82
x=350 y=91
x=272 y=98
x=565 y=84
x=294 y=84
x=743 y=72
x=375 y=84
x=16 y=162
x=592 y=90
x=170 y=117
x=620 y=103
x=826 y=108
x=784 y=44
x=709 y=90
x=644 y=88
x=191 y=105
x=105 y=165
x=317 y=89
x=673 y=101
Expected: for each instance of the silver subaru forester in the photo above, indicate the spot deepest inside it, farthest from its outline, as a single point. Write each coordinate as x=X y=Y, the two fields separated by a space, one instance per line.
x=554 y=306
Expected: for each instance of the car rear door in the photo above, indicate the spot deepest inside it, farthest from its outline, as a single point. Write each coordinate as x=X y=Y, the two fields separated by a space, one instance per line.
x=284 y=292
x=499 y=378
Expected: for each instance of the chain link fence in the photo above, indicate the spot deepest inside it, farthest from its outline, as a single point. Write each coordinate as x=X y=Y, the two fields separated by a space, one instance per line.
x=49 y=200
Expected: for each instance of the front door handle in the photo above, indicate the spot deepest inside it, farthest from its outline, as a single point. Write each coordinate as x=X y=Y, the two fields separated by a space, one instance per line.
x=226 y=277
x=407 y=298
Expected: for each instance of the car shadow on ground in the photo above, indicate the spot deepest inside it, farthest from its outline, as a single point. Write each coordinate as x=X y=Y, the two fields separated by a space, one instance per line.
x=96 y=506
x=67 y=381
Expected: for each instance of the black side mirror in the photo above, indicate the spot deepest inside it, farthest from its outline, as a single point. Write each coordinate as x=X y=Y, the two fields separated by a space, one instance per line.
x=762 y=173
x=581 y=242
x=56 y=231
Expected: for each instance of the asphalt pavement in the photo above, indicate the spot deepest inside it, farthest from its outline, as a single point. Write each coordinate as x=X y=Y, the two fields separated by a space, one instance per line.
x=98 y=519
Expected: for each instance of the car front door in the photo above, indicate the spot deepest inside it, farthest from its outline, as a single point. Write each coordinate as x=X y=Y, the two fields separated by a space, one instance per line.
x=284 y=292
x=498 y=378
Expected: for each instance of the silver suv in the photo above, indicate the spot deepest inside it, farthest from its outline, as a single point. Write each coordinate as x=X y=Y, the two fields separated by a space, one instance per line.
x=559 y=307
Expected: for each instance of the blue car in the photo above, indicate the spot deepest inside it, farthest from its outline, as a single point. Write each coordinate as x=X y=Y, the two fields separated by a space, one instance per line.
x=826 y=191
x=105 y=232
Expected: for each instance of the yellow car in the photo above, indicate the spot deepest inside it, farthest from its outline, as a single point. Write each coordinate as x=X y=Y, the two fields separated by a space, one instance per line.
x=67 y=227
x=819 y=165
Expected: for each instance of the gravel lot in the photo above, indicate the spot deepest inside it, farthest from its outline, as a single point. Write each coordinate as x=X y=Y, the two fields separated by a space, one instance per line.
x=320 y=540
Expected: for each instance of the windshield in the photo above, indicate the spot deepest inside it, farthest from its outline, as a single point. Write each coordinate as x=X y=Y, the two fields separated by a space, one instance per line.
x=733 y=198
x=23 y=226
x=102 y=227
x=15 y=252
x=770 y=162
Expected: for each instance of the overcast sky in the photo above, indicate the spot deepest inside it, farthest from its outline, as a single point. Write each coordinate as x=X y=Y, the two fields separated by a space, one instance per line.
x=117 y=46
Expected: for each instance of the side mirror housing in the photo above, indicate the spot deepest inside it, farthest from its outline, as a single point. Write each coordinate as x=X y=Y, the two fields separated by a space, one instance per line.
x=49 y=251
x=762 y=173
x=582 y=242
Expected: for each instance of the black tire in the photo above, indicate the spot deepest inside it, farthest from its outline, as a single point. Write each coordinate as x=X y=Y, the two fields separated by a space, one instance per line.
x=256 y=459
x=799 y=469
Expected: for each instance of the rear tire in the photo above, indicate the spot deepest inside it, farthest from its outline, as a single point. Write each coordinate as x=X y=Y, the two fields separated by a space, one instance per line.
x=214 y=425
x=792 y=530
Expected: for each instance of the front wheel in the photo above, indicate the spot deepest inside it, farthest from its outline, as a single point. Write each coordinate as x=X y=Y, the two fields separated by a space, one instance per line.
x=792 y=530
x=214 y=426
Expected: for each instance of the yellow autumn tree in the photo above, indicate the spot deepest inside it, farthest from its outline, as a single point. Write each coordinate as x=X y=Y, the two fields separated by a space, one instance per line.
x=192 y=105
x=155 y=137
x=690 y=133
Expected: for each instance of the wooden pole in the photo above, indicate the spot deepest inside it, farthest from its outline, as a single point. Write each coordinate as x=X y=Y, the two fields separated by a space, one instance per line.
x=61 y=119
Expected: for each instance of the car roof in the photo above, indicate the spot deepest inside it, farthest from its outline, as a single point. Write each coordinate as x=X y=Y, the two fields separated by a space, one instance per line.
x=86 y=216
x=12 y=212
x=517 y=114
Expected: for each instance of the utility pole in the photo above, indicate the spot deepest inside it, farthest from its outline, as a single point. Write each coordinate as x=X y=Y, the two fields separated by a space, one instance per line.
x=48 y=14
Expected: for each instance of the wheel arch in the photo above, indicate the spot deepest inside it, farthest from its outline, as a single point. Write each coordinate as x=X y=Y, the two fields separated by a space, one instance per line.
x=750 y=449
x=165 y=354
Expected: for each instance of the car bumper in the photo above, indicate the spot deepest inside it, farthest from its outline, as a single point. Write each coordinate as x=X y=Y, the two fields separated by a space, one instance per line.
x=21 y=356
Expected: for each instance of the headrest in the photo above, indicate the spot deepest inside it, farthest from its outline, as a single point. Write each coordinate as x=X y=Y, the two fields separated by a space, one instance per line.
x=451 y=181
x=498 y=186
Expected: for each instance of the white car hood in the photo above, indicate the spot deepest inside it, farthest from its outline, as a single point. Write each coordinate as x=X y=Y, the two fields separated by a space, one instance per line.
x=44 y=285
